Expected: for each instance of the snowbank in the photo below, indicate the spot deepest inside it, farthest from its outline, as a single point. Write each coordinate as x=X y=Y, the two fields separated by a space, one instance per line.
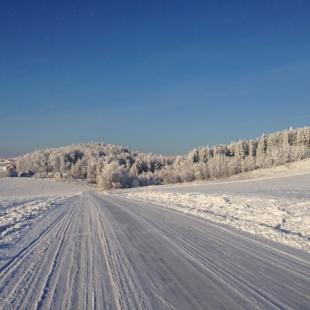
x=276 y=213
x=18 y=214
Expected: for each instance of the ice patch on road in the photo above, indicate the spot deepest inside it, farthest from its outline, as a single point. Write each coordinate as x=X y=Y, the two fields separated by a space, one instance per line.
x=282 y=220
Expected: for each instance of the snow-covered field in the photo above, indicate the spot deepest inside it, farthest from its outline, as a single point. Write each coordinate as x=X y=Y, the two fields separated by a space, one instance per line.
x=274 y=203
x=30 y=187
x=24 y=201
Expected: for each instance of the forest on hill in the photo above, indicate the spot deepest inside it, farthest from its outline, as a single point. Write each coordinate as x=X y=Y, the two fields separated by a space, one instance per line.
x=114 y=166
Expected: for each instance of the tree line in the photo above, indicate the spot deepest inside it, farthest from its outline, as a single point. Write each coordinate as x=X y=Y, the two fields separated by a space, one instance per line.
x=113 y=166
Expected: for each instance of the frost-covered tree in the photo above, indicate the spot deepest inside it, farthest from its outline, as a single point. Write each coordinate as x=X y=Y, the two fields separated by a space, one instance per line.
x=116 y=166
x=116 y=176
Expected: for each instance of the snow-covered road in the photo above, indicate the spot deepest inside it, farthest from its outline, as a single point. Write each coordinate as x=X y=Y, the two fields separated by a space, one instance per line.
x=105 y=252
x=277 y=208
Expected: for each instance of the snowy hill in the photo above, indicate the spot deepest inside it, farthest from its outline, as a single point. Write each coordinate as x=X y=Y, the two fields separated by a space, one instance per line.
x=118 y=167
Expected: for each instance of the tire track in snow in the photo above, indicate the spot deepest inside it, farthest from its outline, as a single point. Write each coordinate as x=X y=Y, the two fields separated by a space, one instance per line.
x=221 y=268
x=237 y=274
x=24 y=275
x=103 y=252
x=11 y=270
x=55 y=261
x=126 y=291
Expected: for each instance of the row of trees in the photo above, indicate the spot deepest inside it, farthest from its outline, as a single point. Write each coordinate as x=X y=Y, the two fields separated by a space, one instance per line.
x=267 y=151
x=112 y=166
x=117 y=167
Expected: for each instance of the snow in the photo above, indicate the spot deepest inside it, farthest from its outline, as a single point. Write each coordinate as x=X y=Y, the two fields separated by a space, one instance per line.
x=17 y=214
x=300 y=167
x=277 y=208
x=24 y=200
x=31 y=187
x=65 y=249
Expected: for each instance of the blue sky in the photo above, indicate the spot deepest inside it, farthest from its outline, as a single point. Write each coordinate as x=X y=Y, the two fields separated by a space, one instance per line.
x=159 y=76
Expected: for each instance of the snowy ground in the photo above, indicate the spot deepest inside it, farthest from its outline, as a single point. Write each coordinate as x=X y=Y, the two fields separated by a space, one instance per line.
x=78 y=249
x=24 y=201
x=31 y=187
x=274 y=203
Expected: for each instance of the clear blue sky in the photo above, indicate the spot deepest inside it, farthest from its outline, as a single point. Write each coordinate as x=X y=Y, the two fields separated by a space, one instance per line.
x=159 y=76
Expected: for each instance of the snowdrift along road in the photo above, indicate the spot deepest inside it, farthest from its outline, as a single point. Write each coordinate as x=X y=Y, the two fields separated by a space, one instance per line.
x=276 y=208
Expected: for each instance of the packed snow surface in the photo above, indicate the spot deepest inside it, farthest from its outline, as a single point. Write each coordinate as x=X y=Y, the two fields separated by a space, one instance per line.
x=67 y=247
x=276 y=208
